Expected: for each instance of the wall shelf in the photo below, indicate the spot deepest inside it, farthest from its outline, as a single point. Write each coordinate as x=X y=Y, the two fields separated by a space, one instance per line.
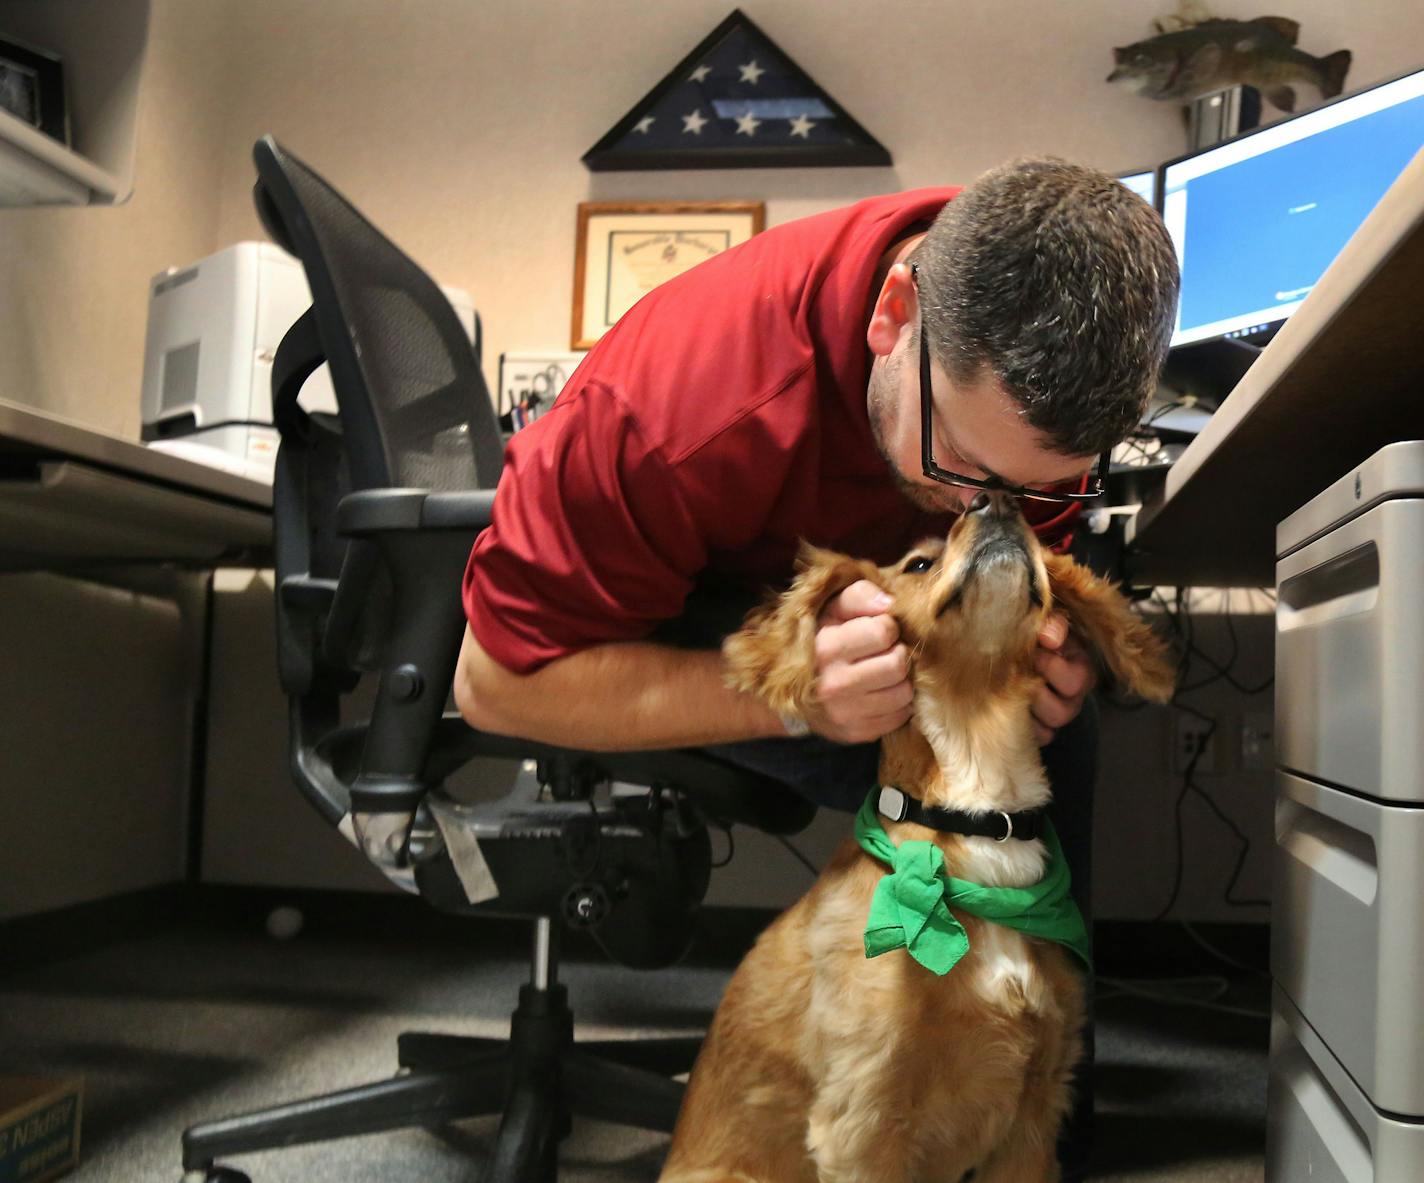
x=38 y=170
x=102 y=44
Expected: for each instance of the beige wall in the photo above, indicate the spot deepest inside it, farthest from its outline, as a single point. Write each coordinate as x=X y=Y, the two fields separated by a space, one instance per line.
x=458 y=126
x=73 y=282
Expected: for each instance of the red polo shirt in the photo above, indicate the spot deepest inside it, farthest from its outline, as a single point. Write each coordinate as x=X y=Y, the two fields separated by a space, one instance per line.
x=719 y=422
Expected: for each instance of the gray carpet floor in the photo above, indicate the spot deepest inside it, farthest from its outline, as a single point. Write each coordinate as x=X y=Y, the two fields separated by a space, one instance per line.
x=191 y=1024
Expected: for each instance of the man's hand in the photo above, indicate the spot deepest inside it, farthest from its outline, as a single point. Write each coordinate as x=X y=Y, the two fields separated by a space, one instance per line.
x=862 y=668
x=1069 y=676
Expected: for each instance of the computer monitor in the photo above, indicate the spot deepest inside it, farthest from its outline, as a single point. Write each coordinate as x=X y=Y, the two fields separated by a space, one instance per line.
x=1257 y=219
x=1144 y=184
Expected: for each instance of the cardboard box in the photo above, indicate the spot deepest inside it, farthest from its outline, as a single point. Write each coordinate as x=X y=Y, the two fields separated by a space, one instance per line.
x=39 y=1127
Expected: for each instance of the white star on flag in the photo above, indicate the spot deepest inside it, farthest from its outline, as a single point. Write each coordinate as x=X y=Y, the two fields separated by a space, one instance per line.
x=801 y=126
x=693 y=123
x=751 y=72
x=699 y=74
x=747 y=124
x=643 y=124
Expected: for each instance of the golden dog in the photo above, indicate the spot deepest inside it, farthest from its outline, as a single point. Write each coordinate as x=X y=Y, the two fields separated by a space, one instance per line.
x=825 y=1064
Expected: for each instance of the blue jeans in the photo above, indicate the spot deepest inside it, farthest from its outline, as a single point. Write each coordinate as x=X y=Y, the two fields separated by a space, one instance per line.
x=833 y=775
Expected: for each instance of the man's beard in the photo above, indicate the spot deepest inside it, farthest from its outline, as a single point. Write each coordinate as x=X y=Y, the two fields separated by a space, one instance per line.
x=883 y=405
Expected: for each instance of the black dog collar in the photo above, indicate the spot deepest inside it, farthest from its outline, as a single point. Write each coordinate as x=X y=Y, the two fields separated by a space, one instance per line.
x=899 y=806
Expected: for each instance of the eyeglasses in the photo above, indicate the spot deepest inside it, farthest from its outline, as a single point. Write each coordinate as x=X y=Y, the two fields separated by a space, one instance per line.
x=1096 y=483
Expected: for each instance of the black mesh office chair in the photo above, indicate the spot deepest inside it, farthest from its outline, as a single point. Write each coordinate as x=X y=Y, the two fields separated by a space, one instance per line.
x=375 y=513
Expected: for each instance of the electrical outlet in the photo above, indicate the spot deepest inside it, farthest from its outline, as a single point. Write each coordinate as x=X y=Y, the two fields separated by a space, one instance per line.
x=1193 y=737
x=1258 y=748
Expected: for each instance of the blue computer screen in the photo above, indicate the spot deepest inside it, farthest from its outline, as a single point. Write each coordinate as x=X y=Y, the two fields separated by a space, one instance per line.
x=1143 y=184
x=1258 y=220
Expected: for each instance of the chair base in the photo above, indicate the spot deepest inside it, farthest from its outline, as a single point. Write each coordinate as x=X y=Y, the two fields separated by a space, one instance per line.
x=538 y=1080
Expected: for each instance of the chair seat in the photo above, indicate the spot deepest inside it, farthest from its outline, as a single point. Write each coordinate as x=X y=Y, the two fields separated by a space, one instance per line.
x=631 y=872
x=723 y=792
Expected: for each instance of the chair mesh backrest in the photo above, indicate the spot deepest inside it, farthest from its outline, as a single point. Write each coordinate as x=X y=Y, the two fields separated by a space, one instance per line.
x=415 y=411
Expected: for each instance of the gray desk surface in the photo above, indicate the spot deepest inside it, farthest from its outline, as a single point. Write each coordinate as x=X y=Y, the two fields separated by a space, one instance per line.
x=70 y=495
x=27 y=430
x=1343 y=378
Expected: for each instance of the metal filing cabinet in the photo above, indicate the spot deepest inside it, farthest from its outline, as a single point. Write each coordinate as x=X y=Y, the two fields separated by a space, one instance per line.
x=1347 y=938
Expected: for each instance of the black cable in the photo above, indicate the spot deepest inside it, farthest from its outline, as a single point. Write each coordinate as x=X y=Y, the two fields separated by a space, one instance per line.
x=1181 y=620
x=731 y=846
x=1190 y=785
x=1181 y=858
x=1178 y=404
x=1224 y=958
x=1182 y=624
x=807 y=863
x=1240 y=858
x=1183 y=606
x=1225 y=675
x=1146 y=456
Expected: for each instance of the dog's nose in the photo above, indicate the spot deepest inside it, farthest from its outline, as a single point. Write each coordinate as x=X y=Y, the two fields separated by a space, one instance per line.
x=992 y=504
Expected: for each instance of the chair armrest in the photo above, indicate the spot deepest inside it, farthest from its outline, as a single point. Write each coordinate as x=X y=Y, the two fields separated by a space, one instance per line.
x=424 y=540
x=375 y=511
x=305 y=592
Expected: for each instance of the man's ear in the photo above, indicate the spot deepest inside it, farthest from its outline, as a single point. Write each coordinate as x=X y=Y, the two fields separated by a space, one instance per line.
x=1132 y=651
x=773 y=655
x=895 y=307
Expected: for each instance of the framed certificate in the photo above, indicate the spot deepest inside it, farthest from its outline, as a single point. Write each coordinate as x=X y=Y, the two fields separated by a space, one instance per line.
x=625 y=250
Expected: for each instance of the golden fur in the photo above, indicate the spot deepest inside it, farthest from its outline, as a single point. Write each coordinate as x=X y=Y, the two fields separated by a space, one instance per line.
x=824 y=1065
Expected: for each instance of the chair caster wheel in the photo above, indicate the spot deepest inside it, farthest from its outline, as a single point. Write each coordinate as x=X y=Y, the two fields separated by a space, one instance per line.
x=215 y=1174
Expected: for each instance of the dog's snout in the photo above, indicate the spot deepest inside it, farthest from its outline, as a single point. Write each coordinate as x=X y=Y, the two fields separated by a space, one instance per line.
x=992 y=504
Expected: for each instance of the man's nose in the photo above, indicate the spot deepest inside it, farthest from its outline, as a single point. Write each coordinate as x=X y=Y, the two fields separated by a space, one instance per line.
x=993 y=504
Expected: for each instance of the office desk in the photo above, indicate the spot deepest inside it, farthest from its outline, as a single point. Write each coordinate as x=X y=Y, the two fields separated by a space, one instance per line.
x=72 y=497
x=107 y=692
x=1343 y=378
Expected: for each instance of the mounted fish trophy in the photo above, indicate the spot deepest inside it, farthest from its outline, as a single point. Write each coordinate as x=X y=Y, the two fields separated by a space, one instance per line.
x=1221 y=69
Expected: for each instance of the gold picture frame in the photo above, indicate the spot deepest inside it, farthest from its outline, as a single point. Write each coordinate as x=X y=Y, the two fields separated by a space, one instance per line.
x=625 y=249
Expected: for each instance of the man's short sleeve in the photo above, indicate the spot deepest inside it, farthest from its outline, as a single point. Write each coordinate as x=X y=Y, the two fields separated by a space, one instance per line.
x=591 y=539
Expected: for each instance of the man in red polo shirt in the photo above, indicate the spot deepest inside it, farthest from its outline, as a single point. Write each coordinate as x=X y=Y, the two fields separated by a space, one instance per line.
x=773 y=394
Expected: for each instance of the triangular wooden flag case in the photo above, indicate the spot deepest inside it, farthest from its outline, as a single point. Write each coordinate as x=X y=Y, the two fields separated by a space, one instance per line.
x=736 y=101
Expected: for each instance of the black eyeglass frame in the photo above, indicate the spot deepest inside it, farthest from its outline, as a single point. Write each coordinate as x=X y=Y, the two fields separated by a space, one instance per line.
x=993 y=484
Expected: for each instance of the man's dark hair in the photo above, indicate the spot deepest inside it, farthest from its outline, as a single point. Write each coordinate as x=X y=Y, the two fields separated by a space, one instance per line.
x=1062 y=283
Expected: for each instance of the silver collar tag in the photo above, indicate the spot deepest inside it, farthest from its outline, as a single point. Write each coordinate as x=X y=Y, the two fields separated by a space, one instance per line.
x=893 y=803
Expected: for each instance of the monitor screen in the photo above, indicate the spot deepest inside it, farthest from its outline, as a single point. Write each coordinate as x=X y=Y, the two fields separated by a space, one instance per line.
x=1143 y=184
x=1256 y=220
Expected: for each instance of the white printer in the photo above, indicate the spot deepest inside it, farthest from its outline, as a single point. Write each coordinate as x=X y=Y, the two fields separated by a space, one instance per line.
x=213 y=330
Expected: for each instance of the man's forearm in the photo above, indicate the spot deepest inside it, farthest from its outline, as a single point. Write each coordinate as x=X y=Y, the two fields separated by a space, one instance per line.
x=616 y=697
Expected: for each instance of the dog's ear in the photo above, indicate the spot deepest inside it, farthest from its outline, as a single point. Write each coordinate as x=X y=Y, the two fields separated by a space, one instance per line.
x=773 y=655
x=1132 y=651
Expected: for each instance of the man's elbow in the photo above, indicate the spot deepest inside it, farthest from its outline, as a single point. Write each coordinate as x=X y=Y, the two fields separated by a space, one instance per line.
x=471 y=703
x=483 y=690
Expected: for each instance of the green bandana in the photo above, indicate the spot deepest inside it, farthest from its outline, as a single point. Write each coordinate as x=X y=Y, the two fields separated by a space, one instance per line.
x=911 y=906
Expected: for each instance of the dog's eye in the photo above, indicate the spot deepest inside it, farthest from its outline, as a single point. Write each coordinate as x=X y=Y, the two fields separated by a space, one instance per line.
x=918 y=565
